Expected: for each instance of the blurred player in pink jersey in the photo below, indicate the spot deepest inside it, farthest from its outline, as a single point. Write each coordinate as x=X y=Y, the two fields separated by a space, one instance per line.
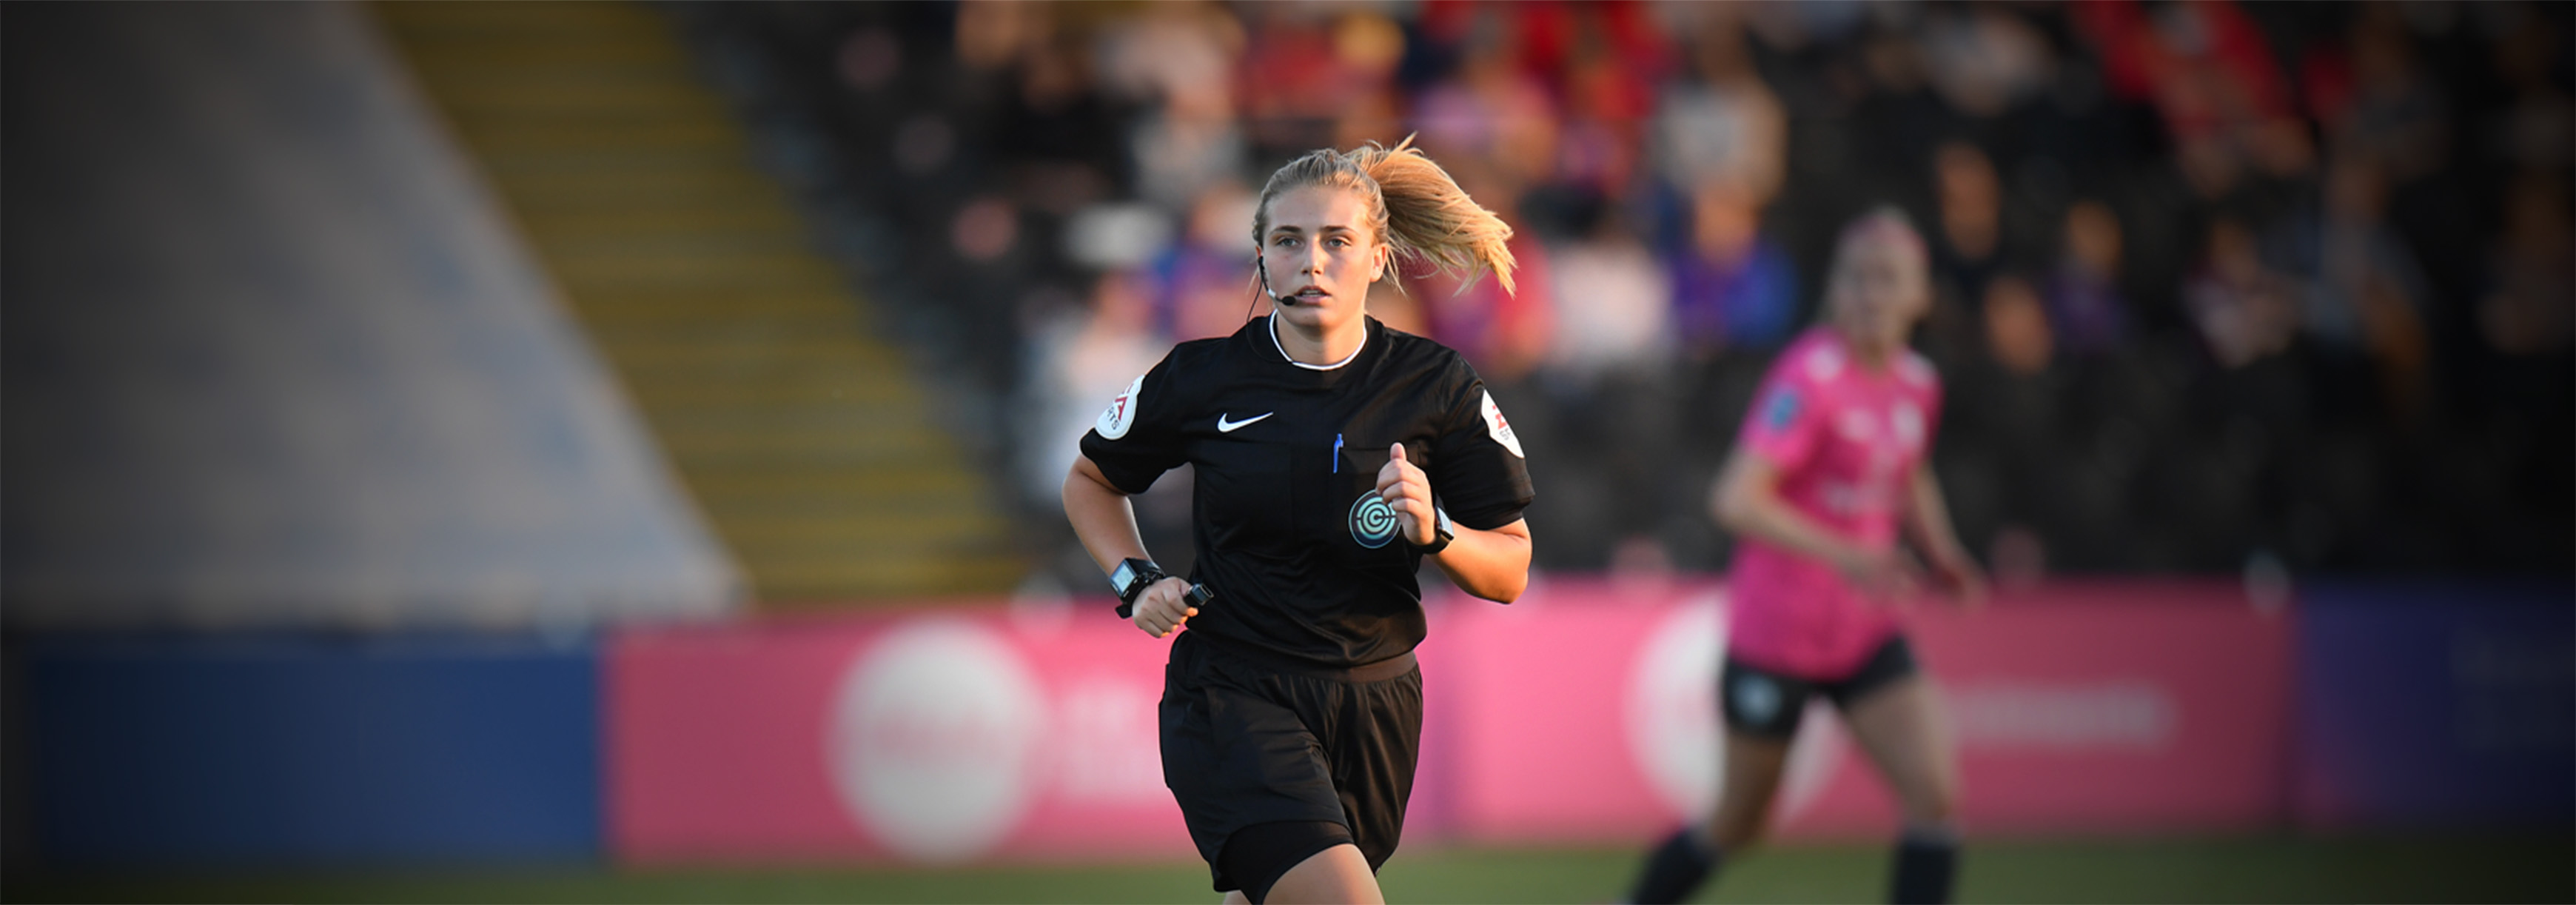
x=1828 y=468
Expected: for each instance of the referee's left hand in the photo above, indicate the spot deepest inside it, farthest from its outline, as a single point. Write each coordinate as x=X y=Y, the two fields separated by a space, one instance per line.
x=1163 y=607
x=1408 y=491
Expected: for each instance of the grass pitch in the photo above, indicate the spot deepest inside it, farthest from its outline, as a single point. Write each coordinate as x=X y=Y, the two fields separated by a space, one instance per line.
x=2256 y=869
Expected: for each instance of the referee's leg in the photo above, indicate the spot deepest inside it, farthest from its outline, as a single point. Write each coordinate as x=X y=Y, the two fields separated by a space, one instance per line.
x=1337 y=874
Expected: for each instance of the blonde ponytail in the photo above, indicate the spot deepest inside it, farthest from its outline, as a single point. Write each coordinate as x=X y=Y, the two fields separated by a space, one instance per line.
x=1420 y=213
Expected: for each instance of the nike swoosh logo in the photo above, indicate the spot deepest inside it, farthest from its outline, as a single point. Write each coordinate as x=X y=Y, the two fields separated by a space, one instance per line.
x=1227 y=427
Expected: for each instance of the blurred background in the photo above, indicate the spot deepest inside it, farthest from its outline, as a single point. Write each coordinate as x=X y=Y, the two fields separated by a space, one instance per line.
x=606 y=450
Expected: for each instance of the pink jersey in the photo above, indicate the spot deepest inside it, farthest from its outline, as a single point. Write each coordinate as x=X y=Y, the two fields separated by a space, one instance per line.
x=1846 y=441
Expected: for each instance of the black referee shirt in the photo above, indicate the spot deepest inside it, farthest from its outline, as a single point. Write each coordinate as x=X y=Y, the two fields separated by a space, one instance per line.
x=1291 y=534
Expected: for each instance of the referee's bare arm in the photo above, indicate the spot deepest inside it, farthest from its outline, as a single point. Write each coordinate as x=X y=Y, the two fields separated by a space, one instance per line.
x=1106 y=523
x=1490 y=564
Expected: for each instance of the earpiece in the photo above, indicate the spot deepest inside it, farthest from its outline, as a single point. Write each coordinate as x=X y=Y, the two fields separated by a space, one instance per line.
x=1264 y=267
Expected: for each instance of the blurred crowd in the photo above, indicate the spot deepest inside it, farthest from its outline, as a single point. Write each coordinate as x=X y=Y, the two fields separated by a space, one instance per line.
x=2217 y=285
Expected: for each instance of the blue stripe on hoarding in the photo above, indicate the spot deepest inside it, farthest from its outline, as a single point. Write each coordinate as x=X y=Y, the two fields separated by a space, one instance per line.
x=2429 y=704
x=161 y=750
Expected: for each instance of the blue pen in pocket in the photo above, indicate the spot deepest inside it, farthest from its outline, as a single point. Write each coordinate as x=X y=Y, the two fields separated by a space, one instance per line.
x=1337 y=454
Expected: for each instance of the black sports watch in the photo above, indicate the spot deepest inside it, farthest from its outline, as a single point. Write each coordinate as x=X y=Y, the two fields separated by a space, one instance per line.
x=1131 y=578
x=1441 y=533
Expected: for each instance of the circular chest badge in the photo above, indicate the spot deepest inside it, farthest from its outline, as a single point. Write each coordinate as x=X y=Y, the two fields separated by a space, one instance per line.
x=1372 y=520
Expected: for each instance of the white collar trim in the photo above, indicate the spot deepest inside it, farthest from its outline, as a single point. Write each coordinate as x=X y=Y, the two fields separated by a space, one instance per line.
x=1283 y=350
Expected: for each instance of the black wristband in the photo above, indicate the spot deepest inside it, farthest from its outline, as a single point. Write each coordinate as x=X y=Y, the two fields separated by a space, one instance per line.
x=1440 y=534
x=1130 y=579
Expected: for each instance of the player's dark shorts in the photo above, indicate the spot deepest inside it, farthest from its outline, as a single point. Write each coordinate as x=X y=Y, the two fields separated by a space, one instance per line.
x=1251 y=739
x=1766 y=703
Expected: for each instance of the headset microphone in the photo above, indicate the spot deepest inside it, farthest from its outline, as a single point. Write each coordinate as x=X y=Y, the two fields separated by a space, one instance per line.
x=1265 y=284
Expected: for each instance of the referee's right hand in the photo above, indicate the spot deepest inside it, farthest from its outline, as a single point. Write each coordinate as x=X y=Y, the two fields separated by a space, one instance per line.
x=1162 y=608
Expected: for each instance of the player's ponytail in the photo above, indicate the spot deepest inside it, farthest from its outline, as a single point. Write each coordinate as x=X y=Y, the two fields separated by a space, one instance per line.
x=1420 y=213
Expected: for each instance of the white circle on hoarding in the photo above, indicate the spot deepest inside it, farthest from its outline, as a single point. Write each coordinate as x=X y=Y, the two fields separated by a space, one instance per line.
x=932 y=737
x=1672 y=707
x=1674 y=727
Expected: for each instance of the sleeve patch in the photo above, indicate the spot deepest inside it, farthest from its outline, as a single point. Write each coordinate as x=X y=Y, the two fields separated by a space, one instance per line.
x=1500 y=429
x=1121 y=413
x=1782 y=410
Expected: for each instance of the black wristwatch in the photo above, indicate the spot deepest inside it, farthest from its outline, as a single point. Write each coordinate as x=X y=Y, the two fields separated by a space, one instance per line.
x=1440 y=531
x=1131 y=578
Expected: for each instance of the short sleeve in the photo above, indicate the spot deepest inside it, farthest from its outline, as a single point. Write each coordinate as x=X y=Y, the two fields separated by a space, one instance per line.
x=1138 y=436
x=1785 y=423
x=1477 y=468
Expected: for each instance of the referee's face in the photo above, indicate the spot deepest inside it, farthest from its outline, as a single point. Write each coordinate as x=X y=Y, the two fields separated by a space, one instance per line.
x=1321 y=252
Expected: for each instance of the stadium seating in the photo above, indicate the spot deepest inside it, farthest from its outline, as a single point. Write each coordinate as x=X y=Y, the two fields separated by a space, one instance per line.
x=816 y=458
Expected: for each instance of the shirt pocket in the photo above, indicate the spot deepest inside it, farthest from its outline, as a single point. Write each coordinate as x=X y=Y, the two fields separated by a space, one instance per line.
x=1244 y=494
x=1360 y=462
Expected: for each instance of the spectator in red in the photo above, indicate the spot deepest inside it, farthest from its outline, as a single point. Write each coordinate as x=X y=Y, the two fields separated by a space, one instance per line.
x=2211 y=76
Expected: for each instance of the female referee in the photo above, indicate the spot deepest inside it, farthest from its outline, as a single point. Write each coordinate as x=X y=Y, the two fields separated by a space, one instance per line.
x=1332 y=454
x=1829 y=462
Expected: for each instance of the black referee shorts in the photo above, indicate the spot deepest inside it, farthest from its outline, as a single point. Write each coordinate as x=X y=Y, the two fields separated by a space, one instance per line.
x=1769 y=704
x=1250 y=739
